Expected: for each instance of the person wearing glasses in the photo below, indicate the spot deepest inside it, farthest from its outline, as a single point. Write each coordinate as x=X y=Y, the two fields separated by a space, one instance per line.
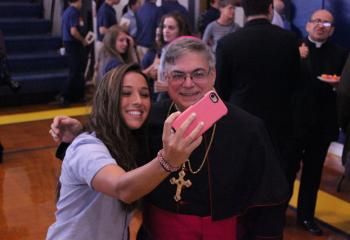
x=235 y=174
x=316 y=116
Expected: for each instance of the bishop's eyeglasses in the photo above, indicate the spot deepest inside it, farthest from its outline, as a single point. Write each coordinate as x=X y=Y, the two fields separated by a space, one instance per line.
x=319 y=22
x=197 y=76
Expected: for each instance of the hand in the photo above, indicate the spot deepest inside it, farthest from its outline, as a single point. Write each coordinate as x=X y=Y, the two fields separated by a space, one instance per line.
x=65 y=129
x=131 y=41
x=96 y=66
x=124 y=25
x=334 y=85
x=178 y=148
x=85 y=43
x=160 y=86
x=152 y=71
x=303 y=50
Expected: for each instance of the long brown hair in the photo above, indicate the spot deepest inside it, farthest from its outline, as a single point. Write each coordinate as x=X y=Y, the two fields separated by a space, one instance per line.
x=108 y=49
x=182 y=24
x=106 y=121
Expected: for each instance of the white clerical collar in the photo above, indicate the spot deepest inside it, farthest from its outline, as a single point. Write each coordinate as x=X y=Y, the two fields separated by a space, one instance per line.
x=318 y=44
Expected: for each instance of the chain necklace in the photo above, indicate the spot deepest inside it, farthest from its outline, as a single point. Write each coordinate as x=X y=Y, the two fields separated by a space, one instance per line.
x=206 y=151
x=205 y=155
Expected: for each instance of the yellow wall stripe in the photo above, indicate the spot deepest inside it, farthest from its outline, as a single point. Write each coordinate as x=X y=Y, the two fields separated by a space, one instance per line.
x=329 y=209
x=42 y=115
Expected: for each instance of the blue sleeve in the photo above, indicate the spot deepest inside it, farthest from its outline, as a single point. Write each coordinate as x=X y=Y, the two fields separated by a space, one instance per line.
x=101 y=19
x=110 y=65
x=207 y=33
x=148 y=59
x=73 y=19
x=159 y=15
x=84 y=159
x=105 y=18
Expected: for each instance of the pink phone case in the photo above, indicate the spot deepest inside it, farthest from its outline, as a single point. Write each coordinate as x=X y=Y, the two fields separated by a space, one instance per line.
x=208 y=110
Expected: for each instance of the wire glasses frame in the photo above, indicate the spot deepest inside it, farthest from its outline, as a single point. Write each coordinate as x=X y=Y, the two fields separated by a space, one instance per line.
x=326 y=24
x=179 y=77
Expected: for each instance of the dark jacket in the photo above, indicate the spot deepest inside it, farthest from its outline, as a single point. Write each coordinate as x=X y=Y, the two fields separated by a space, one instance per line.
x=317 y=111
x=258 y=70
x=242 y=172
x=343 y=92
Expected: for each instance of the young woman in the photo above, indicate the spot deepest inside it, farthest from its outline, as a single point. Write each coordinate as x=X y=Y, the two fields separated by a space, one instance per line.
x=172 y=26
x=100 y=181
x=118 y=48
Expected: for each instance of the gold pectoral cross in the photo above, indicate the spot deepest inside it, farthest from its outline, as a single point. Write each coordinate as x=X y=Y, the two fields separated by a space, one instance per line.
x=180 y=184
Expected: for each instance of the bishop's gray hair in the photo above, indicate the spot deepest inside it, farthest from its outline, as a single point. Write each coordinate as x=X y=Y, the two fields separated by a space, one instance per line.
x=181 y=46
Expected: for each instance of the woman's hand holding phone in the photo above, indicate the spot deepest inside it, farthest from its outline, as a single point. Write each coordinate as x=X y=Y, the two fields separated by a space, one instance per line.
x=208 y=110
x=176 y=146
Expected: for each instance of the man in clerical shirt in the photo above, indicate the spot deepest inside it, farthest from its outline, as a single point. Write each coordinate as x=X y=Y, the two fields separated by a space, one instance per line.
x=232 y=185
x=316 y=116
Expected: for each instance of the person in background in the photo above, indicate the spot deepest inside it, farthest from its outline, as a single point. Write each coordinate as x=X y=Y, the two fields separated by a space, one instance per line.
x=130 y=20
x=278 y=13
x=246 y=180
x=316 y=112
x=118 y=48
x=106 y=17
x=74 y=43
x=172 y=26
x=343 y=106
x=222 y=26
x=151 y=54
x=100 y=183
x=262 y=78
x=5 y=71
x=169 y=6
x=211 y=14
x=149 y=16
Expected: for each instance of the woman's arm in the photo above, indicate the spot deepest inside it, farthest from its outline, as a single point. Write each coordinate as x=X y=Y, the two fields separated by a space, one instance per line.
x=130 y=186
x=65 y=129
x=112 y=180
x=152 y=71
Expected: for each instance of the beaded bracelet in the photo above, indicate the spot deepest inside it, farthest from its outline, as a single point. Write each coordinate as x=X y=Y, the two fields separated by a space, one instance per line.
x=164 y=163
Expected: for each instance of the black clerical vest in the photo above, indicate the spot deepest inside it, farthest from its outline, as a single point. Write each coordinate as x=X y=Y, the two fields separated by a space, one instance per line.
x=317 y=100
x=241 y=171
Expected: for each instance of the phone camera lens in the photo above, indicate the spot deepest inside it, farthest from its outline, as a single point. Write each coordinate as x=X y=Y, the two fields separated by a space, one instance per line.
x=213 y=97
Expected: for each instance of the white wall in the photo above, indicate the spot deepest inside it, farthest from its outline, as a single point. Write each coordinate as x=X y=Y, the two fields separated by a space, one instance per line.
x=185 y=3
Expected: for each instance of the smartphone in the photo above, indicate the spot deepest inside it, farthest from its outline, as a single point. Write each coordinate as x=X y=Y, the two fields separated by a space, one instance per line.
x=90 y=37
x=208 y=110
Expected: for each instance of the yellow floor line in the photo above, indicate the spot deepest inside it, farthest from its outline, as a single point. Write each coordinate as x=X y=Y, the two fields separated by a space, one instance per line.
x=329 y=209
x=42 y=115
